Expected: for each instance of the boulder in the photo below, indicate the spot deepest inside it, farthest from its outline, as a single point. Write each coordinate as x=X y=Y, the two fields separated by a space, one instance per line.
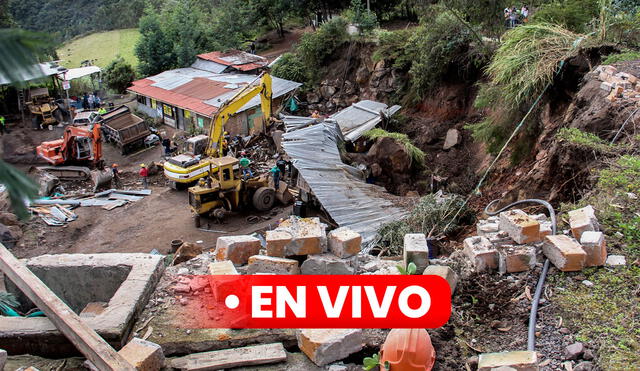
x=452 y=139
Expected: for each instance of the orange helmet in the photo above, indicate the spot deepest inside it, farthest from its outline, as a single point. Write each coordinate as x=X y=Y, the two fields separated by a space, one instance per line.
x=408 y=350
x=114 y=165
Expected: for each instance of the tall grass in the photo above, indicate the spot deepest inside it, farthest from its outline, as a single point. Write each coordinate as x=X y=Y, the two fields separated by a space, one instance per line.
x=415 y=153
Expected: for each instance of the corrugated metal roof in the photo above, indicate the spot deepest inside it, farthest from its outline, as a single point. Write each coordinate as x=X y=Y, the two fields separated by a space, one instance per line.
x=208 y=66
x=236 y=58
x=37 y=71
x=279 y=88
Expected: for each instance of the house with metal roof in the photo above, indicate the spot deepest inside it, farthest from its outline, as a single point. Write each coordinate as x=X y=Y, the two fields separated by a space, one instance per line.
x=230 y=61
x=188 y=98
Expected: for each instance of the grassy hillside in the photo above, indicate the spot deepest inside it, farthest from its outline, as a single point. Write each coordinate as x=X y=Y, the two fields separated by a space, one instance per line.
x=101 y=47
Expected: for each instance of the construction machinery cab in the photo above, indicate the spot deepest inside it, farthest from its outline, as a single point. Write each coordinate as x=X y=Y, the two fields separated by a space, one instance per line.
x=196 y=145
x=43 y=108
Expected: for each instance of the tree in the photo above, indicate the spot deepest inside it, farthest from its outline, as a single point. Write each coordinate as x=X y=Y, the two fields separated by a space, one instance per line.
x=182 y=38
x=119 y=74
x=273 y=12
x=154 y=50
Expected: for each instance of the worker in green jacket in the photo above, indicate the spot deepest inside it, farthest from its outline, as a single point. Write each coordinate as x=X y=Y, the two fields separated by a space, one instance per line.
x=2 y=127
x=244 y=165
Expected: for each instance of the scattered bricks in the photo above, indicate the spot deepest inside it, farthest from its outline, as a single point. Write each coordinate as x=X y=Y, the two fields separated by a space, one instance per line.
x=616 y=260
x=481 y=253
x=484 y=227
x=270 y=264
x=564 y=252
x=609 y=69
x=92 y=309
x=518 y=360
x=222 y=268
x=594 y=245
x=582 y=220
x=143 y=355
x=344 y=242
x=606 y=86
x=500 y=238
x=326 y=264
x=545 y=229
x=277 y=242
x=618 y=89
x=512 y=259
x=324 y=346
x=238 y=249
x=603 y=76
x=520 y=226
x=416 y=250
x=444 y=272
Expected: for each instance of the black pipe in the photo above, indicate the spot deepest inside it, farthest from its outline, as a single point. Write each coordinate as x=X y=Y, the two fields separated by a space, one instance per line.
x=531 y=335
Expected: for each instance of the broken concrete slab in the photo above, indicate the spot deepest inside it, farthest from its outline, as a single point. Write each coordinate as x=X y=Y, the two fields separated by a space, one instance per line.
x=594 y=245
x=308 y=236
x=273 y=265
x=237 y=249
x=516 y=258
x=416 y=251
x=481 y=253
x=326 y=264
x=277 y=242
x=616 y=260
x=3 y=358
x=564 y=252
x=324 y=346
x=124 y=281
x=344 y=242
x=143 y=355
x=520 y=227
x=444 y=272
x=582 y=220
x=230 y=358
x=93 y=309
x=222 y=268
x=452 y=139
x=517 y=360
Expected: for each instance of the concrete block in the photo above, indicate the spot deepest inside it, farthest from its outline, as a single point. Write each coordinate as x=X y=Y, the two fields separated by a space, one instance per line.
x=616 y=260
x=606 y=86
x=517 y=258
x=545 y=229
x=344 y=242
x=522 y=228
x=499 y=238
x=482 y=254
x=564 y=252
x=326 y=264
x=444 y=272
x=93 y=309
x=270 y=264
x=308 y=236
x=324 y=346
x=582 y=220
x=594 y=245
x=3 y=358
x=277 y=242
x=143 y=355
x=416 y=250
x=523 y=360
x=609 y=69
x=483 y=228
x=222 y=268
x=237 y=249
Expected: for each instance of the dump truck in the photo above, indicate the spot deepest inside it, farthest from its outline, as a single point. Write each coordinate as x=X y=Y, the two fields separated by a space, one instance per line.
x=44 y=110
x=225 y=190
x=123 y=129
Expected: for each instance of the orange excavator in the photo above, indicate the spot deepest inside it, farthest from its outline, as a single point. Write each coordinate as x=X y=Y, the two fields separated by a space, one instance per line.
x=80 y=145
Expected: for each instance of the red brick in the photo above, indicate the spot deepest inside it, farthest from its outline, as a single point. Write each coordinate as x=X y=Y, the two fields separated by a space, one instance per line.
x=582 y=220
x=519 y=258
x=595 y=246
x=522 y=228
x=277 y=242
x=564 y=252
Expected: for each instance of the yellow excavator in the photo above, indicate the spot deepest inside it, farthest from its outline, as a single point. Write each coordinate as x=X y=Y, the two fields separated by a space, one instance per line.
x=187 y=168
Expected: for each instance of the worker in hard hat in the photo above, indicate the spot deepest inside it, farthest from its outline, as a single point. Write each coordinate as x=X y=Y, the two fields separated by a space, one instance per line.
x=225 y=143
x=144 y=173
x=116 y=175
x=244 y=166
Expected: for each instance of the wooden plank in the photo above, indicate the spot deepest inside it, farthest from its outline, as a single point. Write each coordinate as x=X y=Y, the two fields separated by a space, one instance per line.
x=88 y=342
x=235 y=357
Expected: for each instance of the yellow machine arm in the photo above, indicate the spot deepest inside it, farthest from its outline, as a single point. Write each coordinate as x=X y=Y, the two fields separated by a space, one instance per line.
x=234 y=104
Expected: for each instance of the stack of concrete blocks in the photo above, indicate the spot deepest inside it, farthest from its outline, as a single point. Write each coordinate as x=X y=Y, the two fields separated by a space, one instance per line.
x=295 y=239
x=510 y=242
x=618 y=84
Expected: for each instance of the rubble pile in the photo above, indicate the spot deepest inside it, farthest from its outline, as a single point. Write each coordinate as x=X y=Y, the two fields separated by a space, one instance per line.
x=619 y=85
x=515 y=242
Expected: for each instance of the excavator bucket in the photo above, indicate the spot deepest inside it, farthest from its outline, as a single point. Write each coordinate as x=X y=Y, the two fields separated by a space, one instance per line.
x=101 y=178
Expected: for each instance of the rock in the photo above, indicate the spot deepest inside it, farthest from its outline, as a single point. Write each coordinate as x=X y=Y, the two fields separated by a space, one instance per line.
x=518 y=360
x=344 y=242
x=587 y=283
x=327 y=91
x=8 y=219
x=573 y=351
x=3 y=358
x=564 y=252
x=416 y=251
x=313 y=97
x=585 y=366
x=519 y=226
x=143 y=355
x=452 y=139
x=222 y=268
x=391 y=154
x=516 y=258
x=277 y=242
x=187 y=252
x=47 y=183
x=184 y=301
x=594 y=245
x=237 y=249
x=326 y=264
x=324 y=346
x=588 y=355
x=582 y=220
x=362 y=75
x=8 y=237
x=444 y=272
x=481 y=253
x=274 y=265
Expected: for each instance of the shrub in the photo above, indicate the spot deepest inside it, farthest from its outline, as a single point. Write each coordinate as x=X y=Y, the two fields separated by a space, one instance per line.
x=315 y=47
x=574 y=15
x=119 y=74
x=290 y=67
x=357 y=15
x=415 y=153
x=622 y=57
x=394 y=47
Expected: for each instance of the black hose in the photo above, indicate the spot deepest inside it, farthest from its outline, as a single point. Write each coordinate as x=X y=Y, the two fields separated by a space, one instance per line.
x=531 y=335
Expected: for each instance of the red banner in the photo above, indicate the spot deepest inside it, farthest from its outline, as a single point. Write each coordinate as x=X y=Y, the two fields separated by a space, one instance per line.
x=301 y=301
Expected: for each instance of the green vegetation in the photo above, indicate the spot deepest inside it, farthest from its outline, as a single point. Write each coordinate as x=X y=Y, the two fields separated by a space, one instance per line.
x=290 y=67
x=583 y=139
x=432 y=215
x=574 y=15
x=622 y=57
x=410 y=269
x=118 y=75
x=358 y=15
x=101 y=48
x=369 y=363
x=415 y=153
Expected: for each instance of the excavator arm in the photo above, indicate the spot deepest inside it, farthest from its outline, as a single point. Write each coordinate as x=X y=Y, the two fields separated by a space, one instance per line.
x=234 y=104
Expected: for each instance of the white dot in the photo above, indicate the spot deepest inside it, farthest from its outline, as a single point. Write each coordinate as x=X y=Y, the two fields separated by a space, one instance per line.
x=231 y=301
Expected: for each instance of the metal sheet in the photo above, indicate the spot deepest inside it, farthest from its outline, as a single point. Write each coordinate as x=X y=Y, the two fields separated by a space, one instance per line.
x=348 y=200
x=120 y=196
